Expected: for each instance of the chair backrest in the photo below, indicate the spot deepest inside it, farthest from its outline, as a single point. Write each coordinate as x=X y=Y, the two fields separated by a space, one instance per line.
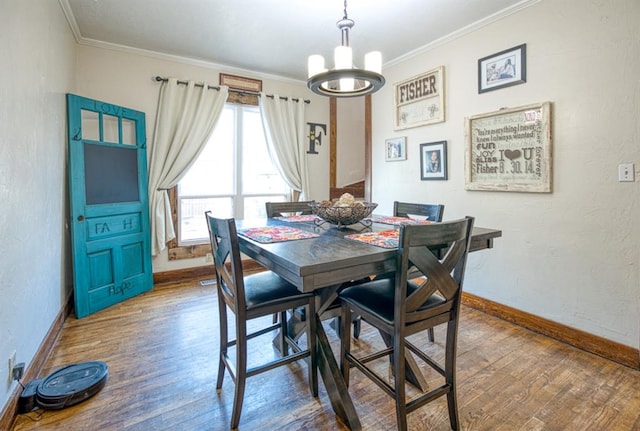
x=439 y=253
x=433 y=212
x=225 y=247
x=281 y=209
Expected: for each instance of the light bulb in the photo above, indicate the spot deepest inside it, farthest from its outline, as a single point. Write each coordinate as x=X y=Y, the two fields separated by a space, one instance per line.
x=315 y=65
x=343 y=57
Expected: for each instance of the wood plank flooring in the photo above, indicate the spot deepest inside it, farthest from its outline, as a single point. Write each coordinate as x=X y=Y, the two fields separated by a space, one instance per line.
x=161 y=348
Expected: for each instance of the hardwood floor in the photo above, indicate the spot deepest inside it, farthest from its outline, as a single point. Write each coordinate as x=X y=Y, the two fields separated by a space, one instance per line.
x=161 y=349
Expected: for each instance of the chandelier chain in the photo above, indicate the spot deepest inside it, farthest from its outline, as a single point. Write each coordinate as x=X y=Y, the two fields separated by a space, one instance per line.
x=345 y=10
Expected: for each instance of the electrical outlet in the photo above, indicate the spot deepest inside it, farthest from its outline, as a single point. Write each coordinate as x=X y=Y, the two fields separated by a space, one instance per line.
x=18 y=371
x=12 y=364
x=625 y=172
x=208 y=258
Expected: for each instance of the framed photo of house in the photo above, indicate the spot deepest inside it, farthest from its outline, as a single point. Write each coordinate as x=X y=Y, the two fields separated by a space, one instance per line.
x=433 y=161
x=502 y=69
x=419 y=100
x=395 y=149
x=510 y=150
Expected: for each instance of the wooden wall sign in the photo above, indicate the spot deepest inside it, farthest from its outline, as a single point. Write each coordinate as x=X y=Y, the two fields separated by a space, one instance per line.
x=241 y=83
x=419 y=101
x=510 y=150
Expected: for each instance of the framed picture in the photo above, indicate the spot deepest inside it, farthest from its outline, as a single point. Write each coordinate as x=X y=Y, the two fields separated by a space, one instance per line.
x=510 y=150
x=419 y=100
x=433 y=161
x=395 y=149
x=503 y=69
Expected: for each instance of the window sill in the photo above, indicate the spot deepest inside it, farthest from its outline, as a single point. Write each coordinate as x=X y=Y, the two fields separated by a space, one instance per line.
x=189 y=252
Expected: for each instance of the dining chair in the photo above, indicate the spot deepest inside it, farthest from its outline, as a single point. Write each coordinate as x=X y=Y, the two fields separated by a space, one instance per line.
x=281 y=209
x=399 y=307
x=249 y=297
x=433 y=212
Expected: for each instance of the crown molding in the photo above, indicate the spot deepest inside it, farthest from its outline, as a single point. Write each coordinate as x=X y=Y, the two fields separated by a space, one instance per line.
x=462 y=32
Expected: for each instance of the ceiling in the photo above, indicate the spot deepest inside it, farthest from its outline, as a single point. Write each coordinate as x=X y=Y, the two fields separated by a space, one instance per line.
x=275 y=37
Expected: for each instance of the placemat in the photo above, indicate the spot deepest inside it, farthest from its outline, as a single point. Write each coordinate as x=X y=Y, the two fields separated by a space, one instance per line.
x=298 y=218
x=275 y=234
x=396 y=220
x=385 y=238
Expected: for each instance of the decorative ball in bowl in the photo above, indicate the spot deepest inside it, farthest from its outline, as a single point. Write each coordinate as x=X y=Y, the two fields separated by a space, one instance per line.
x=343 y=213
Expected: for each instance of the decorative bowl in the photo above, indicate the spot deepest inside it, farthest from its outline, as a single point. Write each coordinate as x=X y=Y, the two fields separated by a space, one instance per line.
x=343 y=215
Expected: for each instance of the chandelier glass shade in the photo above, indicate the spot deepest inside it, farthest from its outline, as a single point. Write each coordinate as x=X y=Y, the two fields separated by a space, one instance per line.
x=345 y=80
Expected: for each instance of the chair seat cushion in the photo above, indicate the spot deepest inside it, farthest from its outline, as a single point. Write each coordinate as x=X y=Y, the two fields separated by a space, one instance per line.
x=267 y=288
x=376 y=297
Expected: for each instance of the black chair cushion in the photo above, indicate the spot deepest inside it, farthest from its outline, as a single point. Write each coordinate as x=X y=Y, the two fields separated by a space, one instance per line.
x=267 y=288
x=376 y=297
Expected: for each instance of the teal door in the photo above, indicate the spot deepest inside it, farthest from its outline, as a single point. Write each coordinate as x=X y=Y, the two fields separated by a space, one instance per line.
x=110 y=233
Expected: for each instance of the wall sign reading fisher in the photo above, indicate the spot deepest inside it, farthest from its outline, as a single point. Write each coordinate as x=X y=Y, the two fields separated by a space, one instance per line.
x=420 y=100
x=510 y=150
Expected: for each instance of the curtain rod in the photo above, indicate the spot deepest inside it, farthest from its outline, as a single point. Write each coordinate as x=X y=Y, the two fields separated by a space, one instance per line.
x=209 y=87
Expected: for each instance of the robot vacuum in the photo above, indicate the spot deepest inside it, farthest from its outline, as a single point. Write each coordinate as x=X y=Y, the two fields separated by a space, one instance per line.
x=65 y=387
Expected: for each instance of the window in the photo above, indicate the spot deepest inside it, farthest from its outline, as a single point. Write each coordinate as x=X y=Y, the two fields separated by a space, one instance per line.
x=232 y=177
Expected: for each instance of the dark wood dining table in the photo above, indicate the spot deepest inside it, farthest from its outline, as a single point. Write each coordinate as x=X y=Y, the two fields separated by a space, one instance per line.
x=322 y=265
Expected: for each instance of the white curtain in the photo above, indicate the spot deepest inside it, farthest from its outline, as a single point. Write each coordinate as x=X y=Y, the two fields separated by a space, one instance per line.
x=186 y=116
x=283 y=121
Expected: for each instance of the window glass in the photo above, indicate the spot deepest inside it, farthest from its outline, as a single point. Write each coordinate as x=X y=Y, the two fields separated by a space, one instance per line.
x=259 y=175
x=193 y=222
x=110 y=128
x=90 y=125
x=232 y=177
x=128 y=132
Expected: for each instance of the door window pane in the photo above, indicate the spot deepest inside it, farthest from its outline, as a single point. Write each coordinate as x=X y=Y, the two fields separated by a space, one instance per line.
x=110 y=125
x=129 y=132
x=90 y=125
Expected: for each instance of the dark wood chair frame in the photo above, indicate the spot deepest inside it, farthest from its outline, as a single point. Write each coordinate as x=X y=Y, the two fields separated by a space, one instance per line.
x=433 y=212
x=414 y=308
x=250 y=297
x=282 y=209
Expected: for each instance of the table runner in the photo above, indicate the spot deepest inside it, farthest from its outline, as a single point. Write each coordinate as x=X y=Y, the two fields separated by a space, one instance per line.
x=396 y=220
x=275 y=234
x=385 y=238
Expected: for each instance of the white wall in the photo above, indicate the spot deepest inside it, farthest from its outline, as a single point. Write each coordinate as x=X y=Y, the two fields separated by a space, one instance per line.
x=571 y=256
x=37 y=51
x=127 y=79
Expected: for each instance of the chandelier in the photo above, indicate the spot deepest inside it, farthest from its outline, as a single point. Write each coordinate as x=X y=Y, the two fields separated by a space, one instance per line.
x=345 y=80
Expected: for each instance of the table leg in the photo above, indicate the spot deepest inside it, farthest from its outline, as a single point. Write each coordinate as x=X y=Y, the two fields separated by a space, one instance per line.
x=412 y=371
x=296 y=328
x=334 y=382
x=329 y=370
x=296 y=325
